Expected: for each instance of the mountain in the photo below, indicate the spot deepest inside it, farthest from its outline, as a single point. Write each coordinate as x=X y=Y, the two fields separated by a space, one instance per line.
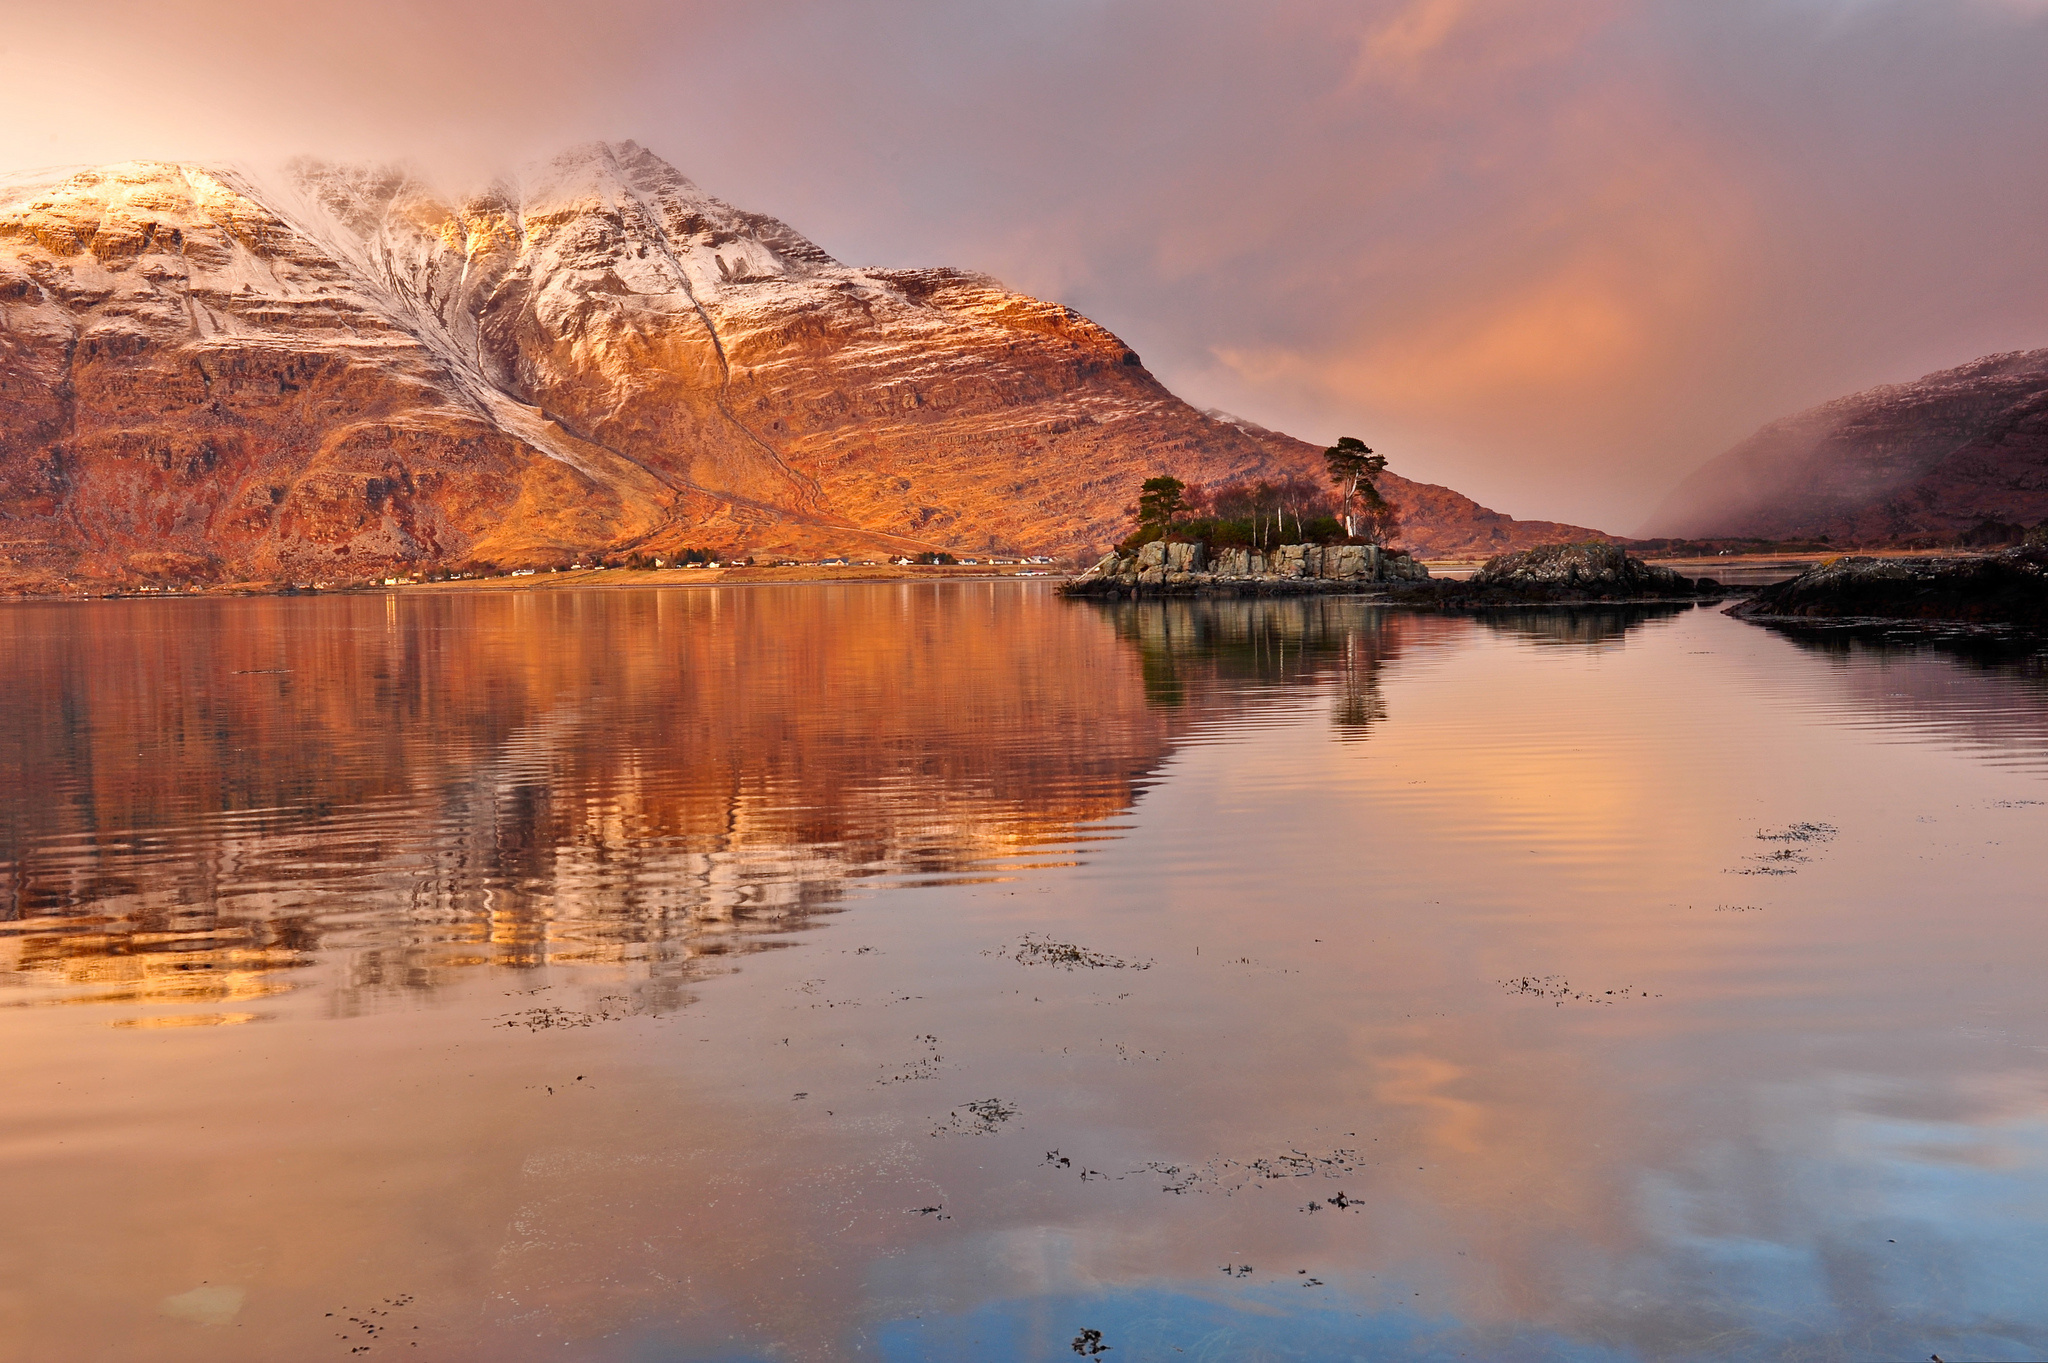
x=1908 y=462
x=325 y=374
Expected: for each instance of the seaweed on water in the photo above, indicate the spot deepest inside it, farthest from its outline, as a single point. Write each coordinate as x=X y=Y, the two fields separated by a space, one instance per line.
x=924 y=1067
x=1089 y=1342
x=1228 y=1176
x=1039 y=948
x=550 y=1017
x=1799 y=832
x=980 y=1118
x=1785 y=860
x=1779 y=863
x=373 y=1322
x=1560 y=992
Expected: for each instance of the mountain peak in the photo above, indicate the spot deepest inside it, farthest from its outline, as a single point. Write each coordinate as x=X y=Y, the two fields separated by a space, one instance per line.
x=337 y=371
x=603 y=168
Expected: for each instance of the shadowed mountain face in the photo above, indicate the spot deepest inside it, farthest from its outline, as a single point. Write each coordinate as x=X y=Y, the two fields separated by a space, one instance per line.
x=327 y=375
x=1924 y=461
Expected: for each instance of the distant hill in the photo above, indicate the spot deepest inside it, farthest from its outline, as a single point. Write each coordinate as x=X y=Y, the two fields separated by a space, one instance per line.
x=1926 y=462
x=333 y=373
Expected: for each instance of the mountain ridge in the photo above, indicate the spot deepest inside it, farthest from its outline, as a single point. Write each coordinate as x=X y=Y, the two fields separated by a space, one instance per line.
x=1924 y=462
x=334 y=371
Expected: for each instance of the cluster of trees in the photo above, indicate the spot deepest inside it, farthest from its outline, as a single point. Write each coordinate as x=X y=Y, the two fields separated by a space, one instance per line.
x=1264 y=514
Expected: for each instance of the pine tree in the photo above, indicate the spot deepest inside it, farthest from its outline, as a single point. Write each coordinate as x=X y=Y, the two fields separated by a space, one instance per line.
x=1160 y=502
x=1354 y=468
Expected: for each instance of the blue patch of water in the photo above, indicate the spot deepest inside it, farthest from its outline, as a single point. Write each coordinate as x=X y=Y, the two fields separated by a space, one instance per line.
x=1262 y=1325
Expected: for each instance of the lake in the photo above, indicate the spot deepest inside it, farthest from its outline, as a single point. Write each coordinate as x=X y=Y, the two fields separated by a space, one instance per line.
x=954 y=971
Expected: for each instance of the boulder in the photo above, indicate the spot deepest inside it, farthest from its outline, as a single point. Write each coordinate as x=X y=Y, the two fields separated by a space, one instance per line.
x=1152 y=555
x=1109 y=565
x=1399 y=567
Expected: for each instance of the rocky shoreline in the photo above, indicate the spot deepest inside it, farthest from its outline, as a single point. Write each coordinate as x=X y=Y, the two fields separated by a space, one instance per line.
x=1590 y=573
x=1161 y=568
x=2008 y=590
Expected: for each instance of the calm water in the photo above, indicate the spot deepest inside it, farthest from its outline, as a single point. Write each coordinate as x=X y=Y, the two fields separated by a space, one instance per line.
x=948 y=972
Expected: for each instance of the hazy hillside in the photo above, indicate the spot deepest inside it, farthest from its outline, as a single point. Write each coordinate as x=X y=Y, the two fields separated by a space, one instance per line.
x=1922 y=461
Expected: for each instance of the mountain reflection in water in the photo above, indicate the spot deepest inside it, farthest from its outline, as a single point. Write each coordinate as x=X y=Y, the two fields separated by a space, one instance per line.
x=207 y=792
x=1261 y=979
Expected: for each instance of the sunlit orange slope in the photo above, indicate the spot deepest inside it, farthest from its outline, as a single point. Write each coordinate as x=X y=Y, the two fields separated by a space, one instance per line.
x=330 y=374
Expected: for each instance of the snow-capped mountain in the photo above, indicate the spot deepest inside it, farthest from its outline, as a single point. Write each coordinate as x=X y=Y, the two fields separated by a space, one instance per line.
x=332 y=371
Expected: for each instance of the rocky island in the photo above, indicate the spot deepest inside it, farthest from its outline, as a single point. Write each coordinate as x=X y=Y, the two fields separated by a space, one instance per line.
x=1161 y=568
x=2008 y=589
x=1594 y=572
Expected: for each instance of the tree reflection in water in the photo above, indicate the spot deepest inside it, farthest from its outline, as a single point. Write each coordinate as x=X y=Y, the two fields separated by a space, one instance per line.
x=204 y=796
x=1212 y=657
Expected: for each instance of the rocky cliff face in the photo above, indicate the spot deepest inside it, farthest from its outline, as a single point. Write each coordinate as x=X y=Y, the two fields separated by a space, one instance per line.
x=324 y=376
x=1922 y=461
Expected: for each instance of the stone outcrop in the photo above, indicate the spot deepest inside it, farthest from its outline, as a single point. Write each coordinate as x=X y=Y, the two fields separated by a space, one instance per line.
x=210 y=376
x=1922 y=462
x=1160 y=568
x=1565 y=574
x=1994 y=589
x=1597 y=567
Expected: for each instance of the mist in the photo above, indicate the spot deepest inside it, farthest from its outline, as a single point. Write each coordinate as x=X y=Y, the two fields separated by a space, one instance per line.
x=1555 y=255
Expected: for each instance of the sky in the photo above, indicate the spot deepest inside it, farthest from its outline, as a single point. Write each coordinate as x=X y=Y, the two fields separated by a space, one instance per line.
x=1553 y=253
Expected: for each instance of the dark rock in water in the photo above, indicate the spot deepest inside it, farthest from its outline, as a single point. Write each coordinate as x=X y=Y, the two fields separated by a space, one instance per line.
x=1563 y=574
x=1996 y=589
x=1606 y=568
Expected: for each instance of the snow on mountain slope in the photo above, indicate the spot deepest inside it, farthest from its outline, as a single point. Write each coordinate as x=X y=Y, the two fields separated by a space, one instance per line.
x=332 y=371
